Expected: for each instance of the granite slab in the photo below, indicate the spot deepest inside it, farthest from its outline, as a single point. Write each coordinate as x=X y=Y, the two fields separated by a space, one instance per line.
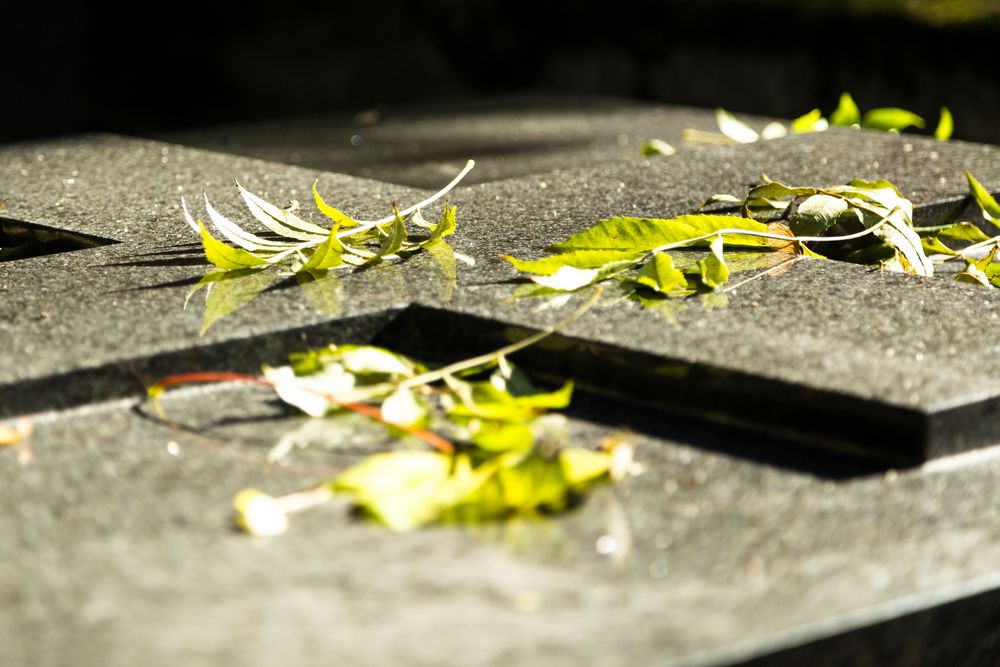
x=739 y=545
x=881 y=357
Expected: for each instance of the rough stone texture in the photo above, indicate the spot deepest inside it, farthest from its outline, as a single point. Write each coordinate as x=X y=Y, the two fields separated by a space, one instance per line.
x=734 y=547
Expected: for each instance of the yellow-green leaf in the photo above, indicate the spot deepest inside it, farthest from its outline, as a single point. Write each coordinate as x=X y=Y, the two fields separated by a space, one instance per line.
x=846 y=113
x=582 y=466
x=226 y=256
x=890 y=118
x=989 y=206
x=578 y=259
x=660 y=275
x=810 y=122
x=339 y=219
x=657 y=147
x=714 y=272
x=328 y=254
x=735 y=128
x=945 y=126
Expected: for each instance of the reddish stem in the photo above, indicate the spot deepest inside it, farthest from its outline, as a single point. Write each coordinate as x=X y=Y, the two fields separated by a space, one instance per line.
x=431 y=438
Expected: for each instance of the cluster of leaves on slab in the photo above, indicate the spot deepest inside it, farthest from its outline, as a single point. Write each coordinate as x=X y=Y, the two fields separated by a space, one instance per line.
x=847 y=114
x=865 y=222
x=311 y=252
x=487 y=448
x=980 y=257
x=302 y=246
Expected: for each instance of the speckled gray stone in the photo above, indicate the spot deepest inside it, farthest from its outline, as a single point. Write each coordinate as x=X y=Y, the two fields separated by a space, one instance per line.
x=739 y=545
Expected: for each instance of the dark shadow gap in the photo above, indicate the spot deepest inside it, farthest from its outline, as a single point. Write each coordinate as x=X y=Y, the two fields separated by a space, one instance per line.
x=22 y=240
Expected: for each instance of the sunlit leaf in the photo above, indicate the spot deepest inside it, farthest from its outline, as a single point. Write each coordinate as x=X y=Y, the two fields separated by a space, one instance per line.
x=773 y=130
x=810 y=122
x=714 y=272
x=816 y=214
x=657 y=147
x=327 y=255
x=959 y=231
x=945 y=126
x=933 y=246
x=403 y=489
x=280 y=221
x=890 y=118
x=259 y=514
x=225 y=256
x=734 y=128
x=989 y=205
x=502 y=436
x=660 y=275
x=578 y=259
x=402 y=408
x=645 y=234
x=569 y=278
x=339 y=219
x=582 y=466
x=846 y=113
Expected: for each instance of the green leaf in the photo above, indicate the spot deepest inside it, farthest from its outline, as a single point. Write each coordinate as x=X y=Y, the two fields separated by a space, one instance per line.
x=983 y=272
x=846 y=113
x=959 y=231
x=932 y=246
x=328 y=254
x=817 y=214
x=404 y=489
x=989 y=206
x=734 y=128
x=657 y=147
x=774 y=190
x=482 y=400
x=773 y=130
x=721 y=198
x=583 y=466
x=501 y=436
x=645 y=234
x=578 y=259
x=444 y=227
x=890 y=118
x=369 y=359
x=392 y=241
x=945 y=126
x=225 y=256
x=810 y=122
x=529 y=481
x=339 y=219
x=660 y=275
x=714 y=272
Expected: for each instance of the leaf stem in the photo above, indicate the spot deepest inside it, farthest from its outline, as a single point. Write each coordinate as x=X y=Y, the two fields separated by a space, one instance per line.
x=483 y=359
x=768 y=235
x=365 y=225
x=429 y=437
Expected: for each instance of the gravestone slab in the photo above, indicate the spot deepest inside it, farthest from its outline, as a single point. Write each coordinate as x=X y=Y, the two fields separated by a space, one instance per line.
x=120 y=550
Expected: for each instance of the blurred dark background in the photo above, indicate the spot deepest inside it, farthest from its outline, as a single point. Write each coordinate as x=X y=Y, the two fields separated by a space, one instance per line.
x=71 y=67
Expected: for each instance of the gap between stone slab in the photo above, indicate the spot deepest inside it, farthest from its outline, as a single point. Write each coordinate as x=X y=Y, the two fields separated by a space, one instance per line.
x=897 y=436
x=736 y=413
x=21 y=240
